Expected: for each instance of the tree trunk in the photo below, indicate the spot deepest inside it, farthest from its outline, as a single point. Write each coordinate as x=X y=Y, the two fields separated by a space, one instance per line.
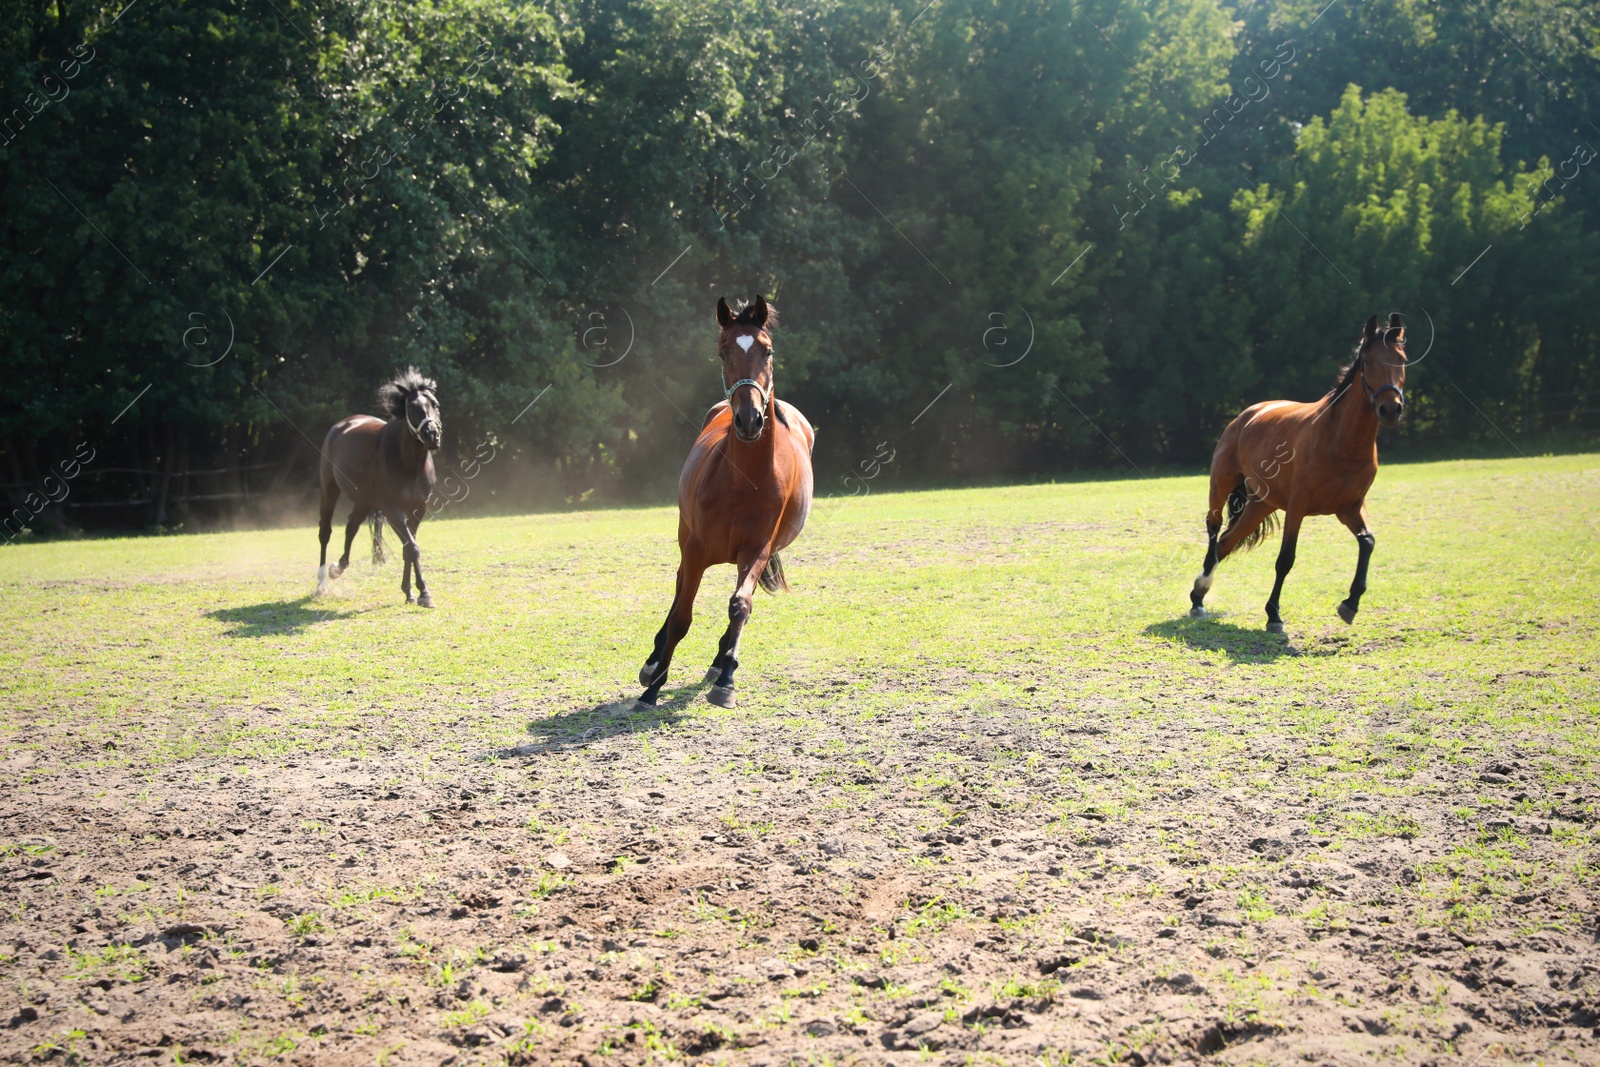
x=285 y=468
x=169 y=456
x=183 y=451
x=152 y=472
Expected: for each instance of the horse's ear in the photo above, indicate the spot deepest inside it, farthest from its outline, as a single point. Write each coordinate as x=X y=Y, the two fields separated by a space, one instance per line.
x=1370 y=329
x=724 y=313
x=758 y=314
x=1396 y=333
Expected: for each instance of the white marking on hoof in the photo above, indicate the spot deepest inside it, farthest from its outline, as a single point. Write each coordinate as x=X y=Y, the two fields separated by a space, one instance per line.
x=1197 y=612
x=647 y=674
x=322 y=580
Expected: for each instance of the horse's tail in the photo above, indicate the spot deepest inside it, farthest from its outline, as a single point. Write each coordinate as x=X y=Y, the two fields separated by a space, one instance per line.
x=379 y=554
x=1236 y=504
x=772 y=579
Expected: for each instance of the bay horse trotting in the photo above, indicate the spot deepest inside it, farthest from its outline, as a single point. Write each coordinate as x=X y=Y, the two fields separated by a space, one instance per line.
x=386 y=469
x=743 y=496
x=1307 y=459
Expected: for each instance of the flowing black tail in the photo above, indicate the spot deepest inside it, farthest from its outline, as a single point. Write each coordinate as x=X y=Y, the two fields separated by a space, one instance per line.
x=772 y=579
x=1236 y=504
x=379 y=555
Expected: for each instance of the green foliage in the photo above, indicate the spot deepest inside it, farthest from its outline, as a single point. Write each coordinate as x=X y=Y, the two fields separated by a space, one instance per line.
x=512 y=196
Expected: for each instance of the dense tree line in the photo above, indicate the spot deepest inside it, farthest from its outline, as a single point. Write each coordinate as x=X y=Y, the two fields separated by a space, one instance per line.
x=1008 y=237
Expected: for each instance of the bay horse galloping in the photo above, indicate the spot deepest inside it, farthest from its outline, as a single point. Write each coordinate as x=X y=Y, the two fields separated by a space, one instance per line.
x=743 y=496
x=1307 y=459
x=386 y=469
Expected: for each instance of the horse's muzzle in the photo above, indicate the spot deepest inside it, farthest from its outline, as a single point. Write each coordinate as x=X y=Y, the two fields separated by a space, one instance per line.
x=1390 y=413
x=747 y=426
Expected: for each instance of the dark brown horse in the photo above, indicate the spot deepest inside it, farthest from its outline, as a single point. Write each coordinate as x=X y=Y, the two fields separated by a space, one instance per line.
x=386 y=469
x=743 y=496
x=1307 y=459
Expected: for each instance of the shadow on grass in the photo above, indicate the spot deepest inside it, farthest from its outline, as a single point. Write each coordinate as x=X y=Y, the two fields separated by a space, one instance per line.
x=1210 y=634
x=582 y=727
x=278 y=617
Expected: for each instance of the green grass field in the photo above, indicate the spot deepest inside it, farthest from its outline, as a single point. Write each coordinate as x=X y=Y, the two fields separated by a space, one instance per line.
x=922 y=600
x=1016 y=659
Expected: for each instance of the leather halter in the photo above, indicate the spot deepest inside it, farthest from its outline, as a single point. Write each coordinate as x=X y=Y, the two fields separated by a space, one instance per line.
x=764 y=394
x=416 y=430
x=1374 y=394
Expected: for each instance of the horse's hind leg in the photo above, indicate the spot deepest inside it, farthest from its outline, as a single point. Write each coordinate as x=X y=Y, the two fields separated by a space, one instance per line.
x=1356 y=519
x=739 y=606
x=330 y=497
x=653 y=675
x=1221 y=487
x=351 y=528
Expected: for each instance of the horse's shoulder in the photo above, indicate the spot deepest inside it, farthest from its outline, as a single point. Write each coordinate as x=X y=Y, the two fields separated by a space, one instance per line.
x=716 y=409
x=792 y=417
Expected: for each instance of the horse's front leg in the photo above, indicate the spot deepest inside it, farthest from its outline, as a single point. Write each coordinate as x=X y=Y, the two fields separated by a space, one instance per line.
x=653 y=675
x=1291 y=534
x=739 y=607
x=1356 y=520
x=412 y=554
x=424 y=599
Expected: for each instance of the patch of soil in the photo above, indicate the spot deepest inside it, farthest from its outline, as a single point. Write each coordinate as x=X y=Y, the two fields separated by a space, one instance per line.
x=1015 y=883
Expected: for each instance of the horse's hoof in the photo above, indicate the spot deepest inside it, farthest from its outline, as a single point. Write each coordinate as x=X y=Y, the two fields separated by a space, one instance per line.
x=410 y=599
x=641 y=702
x=1274 y=627
x=647 y=674
x=1346 y=612
x=713 y=673
x=335 y=570
x=425 y=600
x=722 y=696
x=1197 y=612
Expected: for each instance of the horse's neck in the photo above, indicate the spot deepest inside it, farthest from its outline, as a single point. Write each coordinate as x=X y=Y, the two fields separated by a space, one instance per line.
x=410 y=451
x=753 y=456
x=1353 y=429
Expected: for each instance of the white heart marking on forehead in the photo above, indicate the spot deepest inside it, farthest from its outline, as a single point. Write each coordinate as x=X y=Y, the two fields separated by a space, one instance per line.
x=744 y=341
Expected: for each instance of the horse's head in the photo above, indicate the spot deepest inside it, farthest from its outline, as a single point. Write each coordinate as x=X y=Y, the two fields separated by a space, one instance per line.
x=746 y=351
x=1382 y=368
x=412 y=397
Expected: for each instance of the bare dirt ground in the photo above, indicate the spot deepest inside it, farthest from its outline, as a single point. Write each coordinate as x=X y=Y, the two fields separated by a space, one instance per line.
x=989 y=795
x=1008 y=885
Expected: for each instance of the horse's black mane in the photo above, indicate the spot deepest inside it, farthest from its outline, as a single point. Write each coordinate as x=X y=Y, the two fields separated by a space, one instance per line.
x=747 y=315
x=393 y=394
x=1346 y=376
x=1348 y=373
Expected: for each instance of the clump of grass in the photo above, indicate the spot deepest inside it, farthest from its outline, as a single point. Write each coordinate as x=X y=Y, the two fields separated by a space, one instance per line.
x=305 y=925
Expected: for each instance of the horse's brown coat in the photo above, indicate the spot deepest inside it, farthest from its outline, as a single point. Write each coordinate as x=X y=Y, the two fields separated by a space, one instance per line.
x=386 y=469
x=1307 y=459
x=739 y=501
